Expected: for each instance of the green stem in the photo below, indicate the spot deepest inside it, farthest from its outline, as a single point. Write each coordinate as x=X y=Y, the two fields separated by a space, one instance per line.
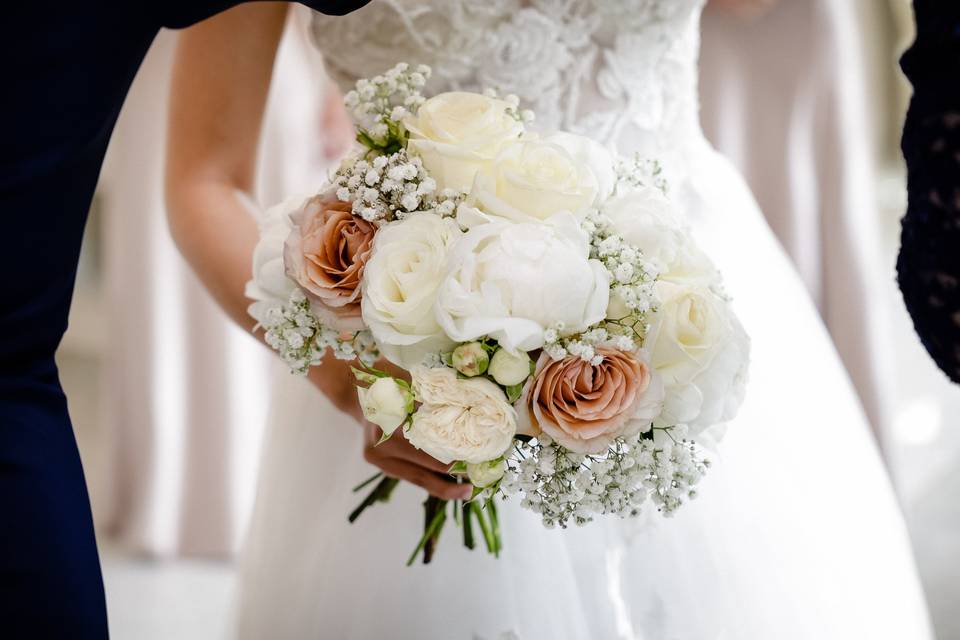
x=437 y=513
x=484 y=527
x=380 y=493
x=467 y=508
x=366 y=482
x=495 y=527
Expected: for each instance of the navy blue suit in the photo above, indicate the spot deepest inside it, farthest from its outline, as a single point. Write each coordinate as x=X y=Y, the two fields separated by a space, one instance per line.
x=67 y=67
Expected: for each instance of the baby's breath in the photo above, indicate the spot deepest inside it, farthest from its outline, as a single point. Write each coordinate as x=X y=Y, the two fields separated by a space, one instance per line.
x=564 y=487
x=638 y=171
x=391 y=187
x=296 y=333
x=378 y=105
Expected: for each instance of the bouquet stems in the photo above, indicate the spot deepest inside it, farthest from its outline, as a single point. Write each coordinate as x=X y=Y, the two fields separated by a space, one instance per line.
x=466 y=513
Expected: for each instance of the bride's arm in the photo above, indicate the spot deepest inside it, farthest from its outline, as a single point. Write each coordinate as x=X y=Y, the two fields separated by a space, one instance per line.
x=221 y=78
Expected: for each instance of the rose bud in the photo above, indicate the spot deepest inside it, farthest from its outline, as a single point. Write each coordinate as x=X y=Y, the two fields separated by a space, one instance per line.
x=486 y=473
x=509 y=369
x=386 y=404
x=470 y=359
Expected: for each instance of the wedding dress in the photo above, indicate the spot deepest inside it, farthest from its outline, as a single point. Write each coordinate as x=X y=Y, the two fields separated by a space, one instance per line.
x=796 y=533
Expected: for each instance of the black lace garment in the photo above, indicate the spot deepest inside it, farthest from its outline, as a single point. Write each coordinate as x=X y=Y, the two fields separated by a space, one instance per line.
x=929 y=262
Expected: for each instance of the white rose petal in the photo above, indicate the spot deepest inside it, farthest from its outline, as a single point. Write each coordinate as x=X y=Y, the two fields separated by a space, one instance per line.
x=701 y=350
x=458 y=134
x=385 y=403
x=533 y=180
x=400 y=283
x=270 y=285
x=513 y=281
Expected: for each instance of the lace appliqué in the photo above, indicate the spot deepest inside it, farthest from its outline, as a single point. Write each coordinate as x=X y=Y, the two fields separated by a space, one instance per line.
x=616 y=70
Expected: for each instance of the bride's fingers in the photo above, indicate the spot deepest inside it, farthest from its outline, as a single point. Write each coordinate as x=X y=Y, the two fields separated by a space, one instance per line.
x=434 y=484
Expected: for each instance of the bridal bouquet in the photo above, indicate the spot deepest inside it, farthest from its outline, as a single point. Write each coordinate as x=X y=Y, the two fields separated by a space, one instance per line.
x=563 y=339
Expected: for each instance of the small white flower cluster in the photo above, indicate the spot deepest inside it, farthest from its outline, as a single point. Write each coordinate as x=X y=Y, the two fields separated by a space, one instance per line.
x=584 y=345
x=379 y=104
x=641 y=172
x=391 y=187
x=565 y=487
x=632 y=280
x=525 y=116
x=296 y=333
x=632 y=275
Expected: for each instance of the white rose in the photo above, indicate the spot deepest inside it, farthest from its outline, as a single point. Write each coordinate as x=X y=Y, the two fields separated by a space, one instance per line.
x=533 y=180
x=647 y=220
x=400 y=284
x=460 y=419
x=270 y=285
x=458 y=134
x=701 y=350
x=513 y=281
x=593 y=155
x=386 y=404
x=485 y=474
x=509 y=368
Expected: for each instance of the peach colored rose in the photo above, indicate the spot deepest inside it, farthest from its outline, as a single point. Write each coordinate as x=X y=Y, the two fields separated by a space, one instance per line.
x=325 y=254
x=584 y=407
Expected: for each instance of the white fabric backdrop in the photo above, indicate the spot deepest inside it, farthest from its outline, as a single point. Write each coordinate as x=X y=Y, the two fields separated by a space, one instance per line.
x=186 y=391
x=784 y=96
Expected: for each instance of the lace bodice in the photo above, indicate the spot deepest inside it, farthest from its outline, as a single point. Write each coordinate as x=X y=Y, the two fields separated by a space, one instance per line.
x=621 y=71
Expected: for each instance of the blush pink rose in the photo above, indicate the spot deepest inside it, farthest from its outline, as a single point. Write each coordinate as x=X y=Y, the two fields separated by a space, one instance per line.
x=325 y=254
x=585 y=407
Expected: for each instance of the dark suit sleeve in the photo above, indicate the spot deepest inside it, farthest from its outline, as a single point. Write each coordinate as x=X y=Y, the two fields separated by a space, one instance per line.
x=928 y=267
x=177 y=14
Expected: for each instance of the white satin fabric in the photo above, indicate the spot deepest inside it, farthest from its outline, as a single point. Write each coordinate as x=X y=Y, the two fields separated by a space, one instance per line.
x=796 y=533
x=784 y=97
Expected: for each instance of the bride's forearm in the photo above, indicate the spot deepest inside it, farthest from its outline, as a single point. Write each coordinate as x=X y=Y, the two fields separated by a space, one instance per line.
x=214 y=227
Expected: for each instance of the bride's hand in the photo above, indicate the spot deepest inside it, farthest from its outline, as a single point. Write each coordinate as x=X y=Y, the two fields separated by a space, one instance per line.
x=396 y=457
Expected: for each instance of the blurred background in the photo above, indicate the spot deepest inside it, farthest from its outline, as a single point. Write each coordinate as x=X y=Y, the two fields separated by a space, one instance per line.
x=169 y=400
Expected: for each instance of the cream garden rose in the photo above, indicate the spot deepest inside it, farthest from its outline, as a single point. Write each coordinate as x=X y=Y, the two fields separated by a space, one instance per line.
x=400 y=283
x=534 y=179
x=511 y=282
x=460 y=419
x=458 y=134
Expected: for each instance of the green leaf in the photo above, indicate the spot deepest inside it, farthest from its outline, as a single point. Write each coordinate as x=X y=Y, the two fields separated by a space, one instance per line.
x=458 y=467
x=514 y=392
x=384 y=436
x=363 y=376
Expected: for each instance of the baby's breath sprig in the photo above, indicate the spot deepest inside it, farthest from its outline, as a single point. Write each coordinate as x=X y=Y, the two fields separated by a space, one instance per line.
x=637 y=171
x=296 y=333
x=391 y=187
x=563 y=486
x=632 y=294
x=526 y=116
x=378 y=105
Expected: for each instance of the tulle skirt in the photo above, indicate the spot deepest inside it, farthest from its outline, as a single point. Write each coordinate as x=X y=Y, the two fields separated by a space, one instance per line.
x=796 y=533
